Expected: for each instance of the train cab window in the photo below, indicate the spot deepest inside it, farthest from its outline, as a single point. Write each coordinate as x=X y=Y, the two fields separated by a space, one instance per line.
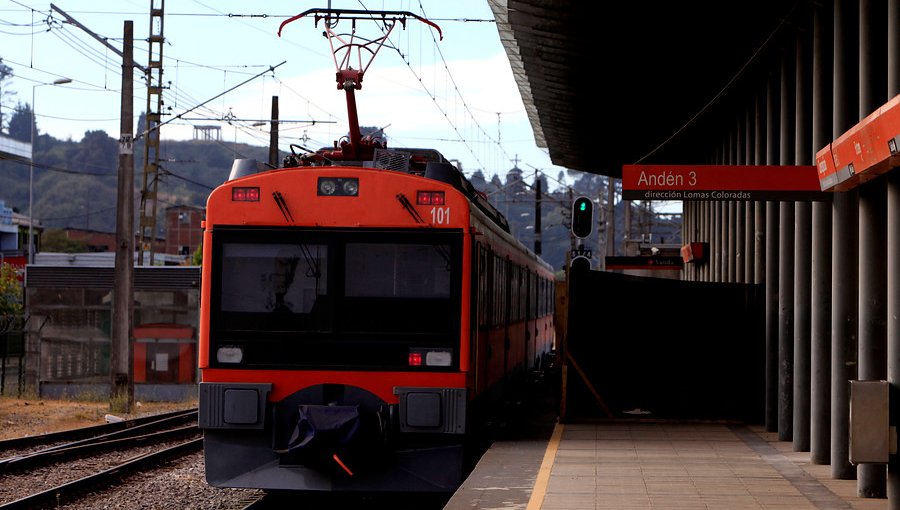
x=273 y=277
x=334 y=298
x=397 y=287
x=398 y=270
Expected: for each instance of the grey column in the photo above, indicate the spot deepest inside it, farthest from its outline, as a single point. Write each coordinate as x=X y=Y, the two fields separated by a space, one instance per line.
x=723 y=241
x=748 y=205
x=820 y=281
x=893 y=256
x=893 y=322
x=730 y=233
x=786 y=263
x=772 y=220
x=802 y=251
x=759 y=208
x=845 y=237
x=715 y=248
x=872 y=478
x=738 y=233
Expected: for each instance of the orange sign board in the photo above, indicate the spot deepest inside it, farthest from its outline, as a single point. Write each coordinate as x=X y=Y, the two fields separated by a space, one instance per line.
x=865 y=151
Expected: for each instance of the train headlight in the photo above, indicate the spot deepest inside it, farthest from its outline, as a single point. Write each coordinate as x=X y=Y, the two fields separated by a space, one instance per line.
x=327 y=187
x=230 y=354
x=338 y=187
x=439 y=358
x=430 y=357
x=351 y=187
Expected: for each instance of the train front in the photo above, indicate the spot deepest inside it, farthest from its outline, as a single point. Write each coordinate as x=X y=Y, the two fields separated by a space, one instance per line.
x=332 y=351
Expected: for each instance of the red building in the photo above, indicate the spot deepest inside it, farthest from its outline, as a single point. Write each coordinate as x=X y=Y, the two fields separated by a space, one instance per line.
x=183 y=231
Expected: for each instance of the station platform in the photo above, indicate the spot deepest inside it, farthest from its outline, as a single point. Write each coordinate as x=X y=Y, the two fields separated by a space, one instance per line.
x=645 y=464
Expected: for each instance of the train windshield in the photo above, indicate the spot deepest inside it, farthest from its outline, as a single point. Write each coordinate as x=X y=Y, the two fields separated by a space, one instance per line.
x=335 y=298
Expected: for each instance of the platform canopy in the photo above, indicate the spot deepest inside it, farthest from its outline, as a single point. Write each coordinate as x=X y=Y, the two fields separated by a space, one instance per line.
x=613 y=83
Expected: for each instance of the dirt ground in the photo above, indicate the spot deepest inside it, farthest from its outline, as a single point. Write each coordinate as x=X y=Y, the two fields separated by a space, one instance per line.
x=22 y=417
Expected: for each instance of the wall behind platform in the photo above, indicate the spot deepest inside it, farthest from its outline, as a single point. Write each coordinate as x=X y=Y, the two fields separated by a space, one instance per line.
x=657 y=348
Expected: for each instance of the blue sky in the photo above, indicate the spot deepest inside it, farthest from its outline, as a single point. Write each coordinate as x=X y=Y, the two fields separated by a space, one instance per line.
x=457 y=95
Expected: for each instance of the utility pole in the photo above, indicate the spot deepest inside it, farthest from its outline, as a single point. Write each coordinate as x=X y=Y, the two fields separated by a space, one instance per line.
x=121 y=382
x=537 y=213
x=273 y=134
x=151 y=132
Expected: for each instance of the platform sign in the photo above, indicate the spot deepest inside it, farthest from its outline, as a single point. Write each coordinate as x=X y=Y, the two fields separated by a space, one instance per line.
x=721 y=182
x=864 y=152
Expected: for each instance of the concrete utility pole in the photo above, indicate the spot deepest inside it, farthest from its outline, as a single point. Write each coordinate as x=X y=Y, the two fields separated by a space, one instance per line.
x=537 y=213
x=121 y=382
x=273 y=134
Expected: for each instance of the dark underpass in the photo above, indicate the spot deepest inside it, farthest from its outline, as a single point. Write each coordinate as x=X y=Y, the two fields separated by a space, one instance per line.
x=641 y=347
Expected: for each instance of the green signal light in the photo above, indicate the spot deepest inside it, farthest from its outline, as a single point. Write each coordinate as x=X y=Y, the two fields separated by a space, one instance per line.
x=582 y=206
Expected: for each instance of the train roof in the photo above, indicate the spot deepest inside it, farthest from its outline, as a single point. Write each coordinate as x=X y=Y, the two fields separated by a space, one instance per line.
x=427 y=163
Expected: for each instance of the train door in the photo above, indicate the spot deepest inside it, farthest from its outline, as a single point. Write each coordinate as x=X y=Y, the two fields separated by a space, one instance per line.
x=508 y=301
x=530 y=322
x=481 y=299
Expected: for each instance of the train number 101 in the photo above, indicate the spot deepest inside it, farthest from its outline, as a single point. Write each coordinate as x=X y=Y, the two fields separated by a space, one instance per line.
x=440 y=215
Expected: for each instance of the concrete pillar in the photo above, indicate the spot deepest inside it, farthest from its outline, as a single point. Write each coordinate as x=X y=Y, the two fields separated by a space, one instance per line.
x=820 y=278
x=786 y=261
x=893 y=321
x=772 y=239
x=845 y=237
x=802 y=249
x=872 y=478
x=893 y=260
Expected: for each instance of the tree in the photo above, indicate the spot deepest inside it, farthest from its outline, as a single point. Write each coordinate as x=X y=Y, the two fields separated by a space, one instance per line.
x=10 y=296
x=19 y=124
x=6 y=73
x=197 y=257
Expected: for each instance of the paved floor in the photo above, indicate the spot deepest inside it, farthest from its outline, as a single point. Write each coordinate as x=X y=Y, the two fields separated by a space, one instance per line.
x=670 y=466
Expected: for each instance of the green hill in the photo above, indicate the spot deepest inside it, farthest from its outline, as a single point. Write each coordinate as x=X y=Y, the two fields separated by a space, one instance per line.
x=75 y=182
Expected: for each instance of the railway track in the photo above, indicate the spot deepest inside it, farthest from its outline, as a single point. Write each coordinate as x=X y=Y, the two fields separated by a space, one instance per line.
x=72 y=490
x=82 y=460
x=95 y=432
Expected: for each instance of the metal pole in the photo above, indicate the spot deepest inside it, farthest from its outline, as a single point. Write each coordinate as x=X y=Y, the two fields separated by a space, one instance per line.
x=31 y=183
x=60 y=81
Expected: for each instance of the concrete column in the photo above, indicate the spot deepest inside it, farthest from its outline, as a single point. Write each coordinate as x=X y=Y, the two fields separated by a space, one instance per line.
x=845 y=238
x=820 y=278
x=786 y=262
x=730 y=235
x=772 y=241
x=739 y=224
x=893 y=260
x=748 y=205
x=872 y=478
x=893 y=319
x=802 y=250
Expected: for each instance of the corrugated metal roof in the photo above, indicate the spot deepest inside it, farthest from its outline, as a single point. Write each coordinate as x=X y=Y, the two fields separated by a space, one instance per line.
x=145 y=278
